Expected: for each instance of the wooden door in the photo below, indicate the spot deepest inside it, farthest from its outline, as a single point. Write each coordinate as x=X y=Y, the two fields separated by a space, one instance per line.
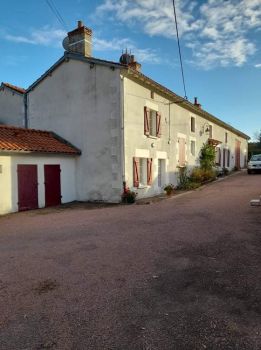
x=27 y=187
x=52 y=178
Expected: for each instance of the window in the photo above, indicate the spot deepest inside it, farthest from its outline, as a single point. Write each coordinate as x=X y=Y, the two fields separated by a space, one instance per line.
x=224 y=157
x=226 y=137
x=192 y=124
x=218 y=156
x=210 y=132
x=152 y=121
x=1 y=168
x=228 y=158
x=142 y=172
x=161 y=172
x=152 y=94
x=193 y=148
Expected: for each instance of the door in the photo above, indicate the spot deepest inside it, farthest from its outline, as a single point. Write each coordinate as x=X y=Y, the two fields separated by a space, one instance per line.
x=52 y=178
x=27 y=187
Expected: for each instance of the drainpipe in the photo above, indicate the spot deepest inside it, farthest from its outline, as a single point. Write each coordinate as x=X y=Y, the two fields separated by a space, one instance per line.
x=25 y=110
x=122 y=135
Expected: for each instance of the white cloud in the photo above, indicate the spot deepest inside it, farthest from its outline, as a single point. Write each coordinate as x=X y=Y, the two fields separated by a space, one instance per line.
x=46 y=36
x=142 y=55
x=258 y=65
x=216 y=31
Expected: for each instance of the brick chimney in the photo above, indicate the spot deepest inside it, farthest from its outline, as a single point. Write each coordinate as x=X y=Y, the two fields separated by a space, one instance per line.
x=134 y=64
x=80 y=40
x=196 y=102
x=129 y=60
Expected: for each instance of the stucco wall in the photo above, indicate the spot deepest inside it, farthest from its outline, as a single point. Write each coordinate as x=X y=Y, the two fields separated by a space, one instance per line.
x=11 y=107
x=9 y=187
x=5 y=185
x=175 y=123
x=82 y=104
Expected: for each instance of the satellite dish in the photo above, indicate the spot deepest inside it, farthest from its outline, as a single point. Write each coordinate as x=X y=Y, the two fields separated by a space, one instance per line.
x=66 y=43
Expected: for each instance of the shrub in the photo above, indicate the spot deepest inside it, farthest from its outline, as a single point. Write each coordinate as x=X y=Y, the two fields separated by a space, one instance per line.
x=225 y=171
x=207 y=156
x=199 y=175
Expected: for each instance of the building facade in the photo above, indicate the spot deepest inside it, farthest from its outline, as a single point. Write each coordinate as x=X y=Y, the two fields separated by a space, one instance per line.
x=129 y=128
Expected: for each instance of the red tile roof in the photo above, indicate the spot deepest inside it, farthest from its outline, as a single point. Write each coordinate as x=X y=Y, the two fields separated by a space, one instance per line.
x=29 y=140
x=15 y=88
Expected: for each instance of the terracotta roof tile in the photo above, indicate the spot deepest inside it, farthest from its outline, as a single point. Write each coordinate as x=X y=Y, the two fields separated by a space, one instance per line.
x=16 y=88
x=29 y=140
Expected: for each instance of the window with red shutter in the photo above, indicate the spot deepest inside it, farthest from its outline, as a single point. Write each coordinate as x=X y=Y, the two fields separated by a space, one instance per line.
x=149 y=171
x=146 y=121
x=136 y=177
x=158 y=126
x=182 y=153
x=152 y=122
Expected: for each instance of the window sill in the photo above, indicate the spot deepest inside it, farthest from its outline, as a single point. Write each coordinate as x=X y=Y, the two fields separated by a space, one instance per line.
x=142 y=187
x=152 y=137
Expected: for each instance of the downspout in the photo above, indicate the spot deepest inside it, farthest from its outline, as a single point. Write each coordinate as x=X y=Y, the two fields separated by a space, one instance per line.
x=122 y=134
x=25 y=110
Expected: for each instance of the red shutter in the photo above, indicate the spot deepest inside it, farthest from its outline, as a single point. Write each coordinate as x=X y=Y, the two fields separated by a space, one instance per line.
x=136 y=180
x=158 y=129
x=149 y=171
x=146 y=121
x=182 y=151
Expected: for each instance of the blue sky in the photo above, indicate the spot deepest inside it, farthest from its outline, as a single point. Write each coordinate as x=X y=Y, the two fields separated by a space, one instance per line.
x=220 y=41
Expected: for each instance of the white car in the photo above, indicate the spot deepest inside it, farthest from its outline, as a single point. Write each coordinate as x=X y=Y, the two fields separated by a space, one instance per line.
x=254 y=164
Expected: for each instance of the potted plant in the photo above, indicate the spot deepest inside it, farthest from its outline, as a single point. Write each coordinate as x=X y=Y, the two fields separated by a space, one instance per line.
x=169 y=189
x=128 y=196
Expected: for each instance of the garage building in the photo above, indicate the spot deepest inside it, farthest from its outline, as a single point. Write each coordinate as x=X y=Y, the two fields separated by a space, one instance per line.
x=37 y=169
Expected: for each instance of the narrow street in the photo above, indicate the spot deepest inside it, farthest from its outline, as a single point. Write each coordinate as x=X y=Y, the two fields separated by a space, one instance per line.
x=180 y=274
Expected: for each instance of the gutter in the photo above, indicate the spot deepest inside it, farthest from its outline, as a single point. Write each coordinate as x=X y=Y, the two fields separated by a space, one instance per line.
x=26 y=110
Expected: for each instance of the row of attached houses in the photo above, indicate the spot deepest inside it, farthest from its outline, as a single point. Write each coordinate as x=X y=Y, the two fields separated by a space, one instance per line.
x=128 y=128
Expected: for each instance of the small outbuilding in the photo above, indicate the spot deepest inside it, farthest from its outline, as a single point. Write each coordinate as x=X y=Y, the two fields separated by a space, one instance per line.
x=37 y=169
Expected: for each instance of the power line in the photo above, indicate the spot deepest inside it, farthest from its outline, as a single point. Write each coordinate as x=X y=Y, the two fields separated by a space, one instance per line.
x=56 y=12
x=180 y=57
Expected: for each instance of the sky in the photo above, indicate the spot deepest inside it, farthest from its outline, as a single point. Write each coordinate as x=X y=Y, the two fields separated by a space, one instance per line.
x=220 y=44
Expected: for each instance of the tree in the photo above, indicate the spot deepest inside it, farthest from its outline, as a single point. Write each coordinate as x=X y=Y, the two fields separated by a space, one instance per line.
x=257 y=137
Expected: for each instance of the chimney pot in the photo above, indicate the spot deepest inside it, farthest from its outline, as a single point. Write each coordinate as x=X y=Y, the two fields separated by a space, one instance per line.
x=196 y=102
x=80 y=24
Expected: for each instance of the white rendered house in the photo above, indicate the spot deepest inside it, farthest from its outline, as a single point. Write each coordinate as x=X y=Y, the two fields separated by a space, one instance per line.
x=129 y=128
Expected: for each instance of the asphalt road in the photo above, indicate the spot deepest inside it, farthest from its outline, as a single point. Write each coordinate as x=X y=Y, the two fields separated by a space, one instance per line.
x=180 y=274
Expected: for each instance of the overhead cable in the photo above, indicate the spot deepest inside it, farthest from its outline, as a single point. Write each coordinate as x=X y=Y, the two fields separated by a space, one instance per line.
x=56 y=12
x=180 y=57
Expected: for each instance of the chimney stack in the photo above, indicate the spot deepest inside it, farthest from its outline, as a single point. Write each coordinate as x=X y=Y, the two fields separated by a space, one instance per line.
x=80 y=40
x=196 y=102
x=129 y=60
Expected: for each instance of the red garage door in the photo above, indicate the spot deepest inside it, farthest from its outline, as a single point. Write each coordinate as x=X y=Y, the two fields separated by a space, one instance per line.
x=27 y=187
x=52 y=178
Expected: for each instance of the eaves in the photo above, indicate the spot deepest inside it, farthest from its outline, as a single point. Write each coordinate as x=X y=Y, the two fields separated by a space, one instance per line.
x=176 y=99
